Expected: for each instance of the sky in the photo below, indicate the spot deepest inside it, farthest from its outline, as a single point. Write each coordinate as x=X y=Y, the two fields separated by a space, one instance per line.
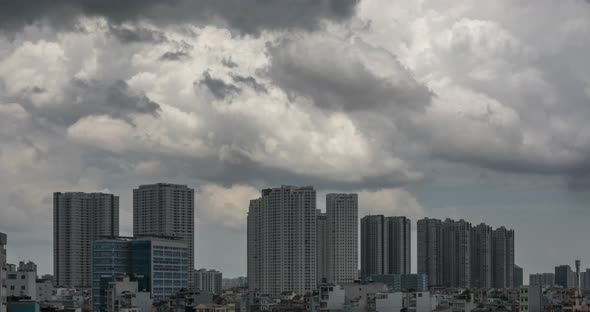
x=464 y=109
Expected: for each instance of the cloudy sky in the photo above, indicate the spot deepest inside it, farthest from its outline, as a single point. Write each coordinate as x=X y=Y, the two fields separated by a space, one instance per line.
x=464 y=109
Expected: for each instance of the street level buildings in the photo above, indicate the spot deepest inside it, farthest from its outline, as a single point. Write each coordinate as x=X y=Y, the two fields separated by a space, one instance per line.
x=342 y=243
x=165 y=210
x=282 y=238
x=78 y=220
x=385 y=245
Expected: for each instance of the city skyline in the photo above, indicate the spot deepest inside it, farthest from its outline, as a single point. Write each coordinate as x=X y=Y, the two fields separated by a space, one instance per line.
x=319 y=214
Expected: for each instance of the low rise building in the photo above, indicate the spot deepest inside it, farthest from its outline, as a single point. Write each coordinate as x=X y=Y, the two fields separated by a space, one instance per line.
x=123 y=294
x=45 y=290
x=21 y=282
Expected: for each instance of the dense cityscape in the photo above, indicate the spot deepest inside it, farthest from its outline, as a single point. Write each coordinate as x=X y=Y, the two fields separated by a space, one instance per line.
x=299 y=258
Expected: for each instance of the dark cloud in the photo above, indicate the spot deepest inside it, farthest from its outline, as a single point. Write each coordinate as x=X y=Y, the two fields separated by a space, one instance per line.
x=174 y=56
x=85 y=98
x=227 y=62
x=251 y=82
x=246 y=15
x=218 y=87
x=129 y=34
x=341 y=83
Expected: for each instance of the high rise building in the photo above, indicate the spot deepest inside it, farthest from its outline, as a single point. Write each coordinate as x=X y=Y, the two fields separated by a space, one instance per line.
x=342 y=221
x=161 y=266
x=3 y=270
x=545 y=280
x=78 y=220
x=322 y=247
x=518 y=277
x=282 y=240
x=503 y=257
x=208 y=280
x=456 y=253
x=398 y=245
x=166 y=210
x=372 y=245
x=430 y=250
x=385 y=245
x=481 y=256
x=564 y=276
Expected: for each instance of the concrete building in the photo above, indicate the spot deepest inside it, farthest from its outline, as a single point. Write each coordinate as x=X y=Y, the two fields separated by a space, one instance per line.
x=166 y=210
x=503 y=257
x=322 y=247
x=342 y=221
x=20 y=282
x=78 y=220
x=402 y=282
x=208 y=280
x=45 y=289
x=456 y=253
x=430 y=250
x=385 y=245
x=564 y=276
x=160 y=266
x=3 y=271
x=123 y=294
x=518 y=277
x=530 y=298
x=481 y=256
x=545 y=280
x=282 y=238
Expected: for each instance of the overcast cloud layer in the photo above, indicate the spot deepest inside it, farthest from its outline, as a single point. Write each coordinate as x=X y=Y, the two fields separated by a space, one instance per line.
x=465 y=109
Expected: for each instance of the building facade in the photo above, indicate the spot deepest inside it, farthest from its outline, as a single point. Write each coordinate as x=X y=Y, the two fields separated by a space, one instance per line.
x=564 y=276
x=518 y=277
x=166 y=210
x=21 y=281
x=342 y=230
x=208 y=280
x=159 y=265
x=430 y=250
x=456 y=253
x=503 y=249
x=3 y=271
x=322 y=247
x=78 y=220
x=545 y=280
x=481 y=256
x=385 y=245
x=282 y=238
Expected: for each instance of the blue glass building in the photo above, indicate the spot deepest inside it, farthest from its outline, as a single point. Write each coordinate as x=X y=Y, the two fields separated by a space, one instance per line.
x=160 y=265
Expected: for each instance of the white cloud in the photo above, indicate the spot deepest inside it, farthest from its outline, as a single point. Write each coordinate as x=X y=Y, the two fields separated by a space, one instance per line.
x=227 y=206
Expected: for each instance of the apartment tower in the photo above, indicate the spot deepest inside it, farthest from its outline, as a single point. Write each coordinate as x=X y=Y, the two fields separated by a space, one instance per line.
x=282 y=238
x=166 y=210
x=78 y=220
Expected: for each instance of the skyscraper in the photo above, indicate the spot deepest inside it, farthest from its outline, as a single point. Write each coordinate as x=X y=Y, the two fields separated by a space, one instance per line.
x=166 y=210
x=518 y=277
x=564 y=276
x=322 y=247
x=342 y=220
x=372 y=245
x=208 y=280
x=545 y=280
x=3 y=270
x=385 y=245
x=78 y=220
x=481 y=256
x=456 y=253
x=430 y=250
x=503 y=257
x=282 y=240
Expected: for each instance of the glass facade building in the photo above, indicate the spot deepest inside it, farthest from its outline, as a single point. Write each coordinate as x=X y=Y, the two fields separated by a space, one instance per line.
x=161 y=266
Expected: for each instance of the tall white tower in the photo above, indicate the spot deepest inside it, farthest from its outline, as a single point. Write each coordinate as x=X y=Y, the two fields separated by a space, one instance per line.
x=342 y=219
x=282 y=239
